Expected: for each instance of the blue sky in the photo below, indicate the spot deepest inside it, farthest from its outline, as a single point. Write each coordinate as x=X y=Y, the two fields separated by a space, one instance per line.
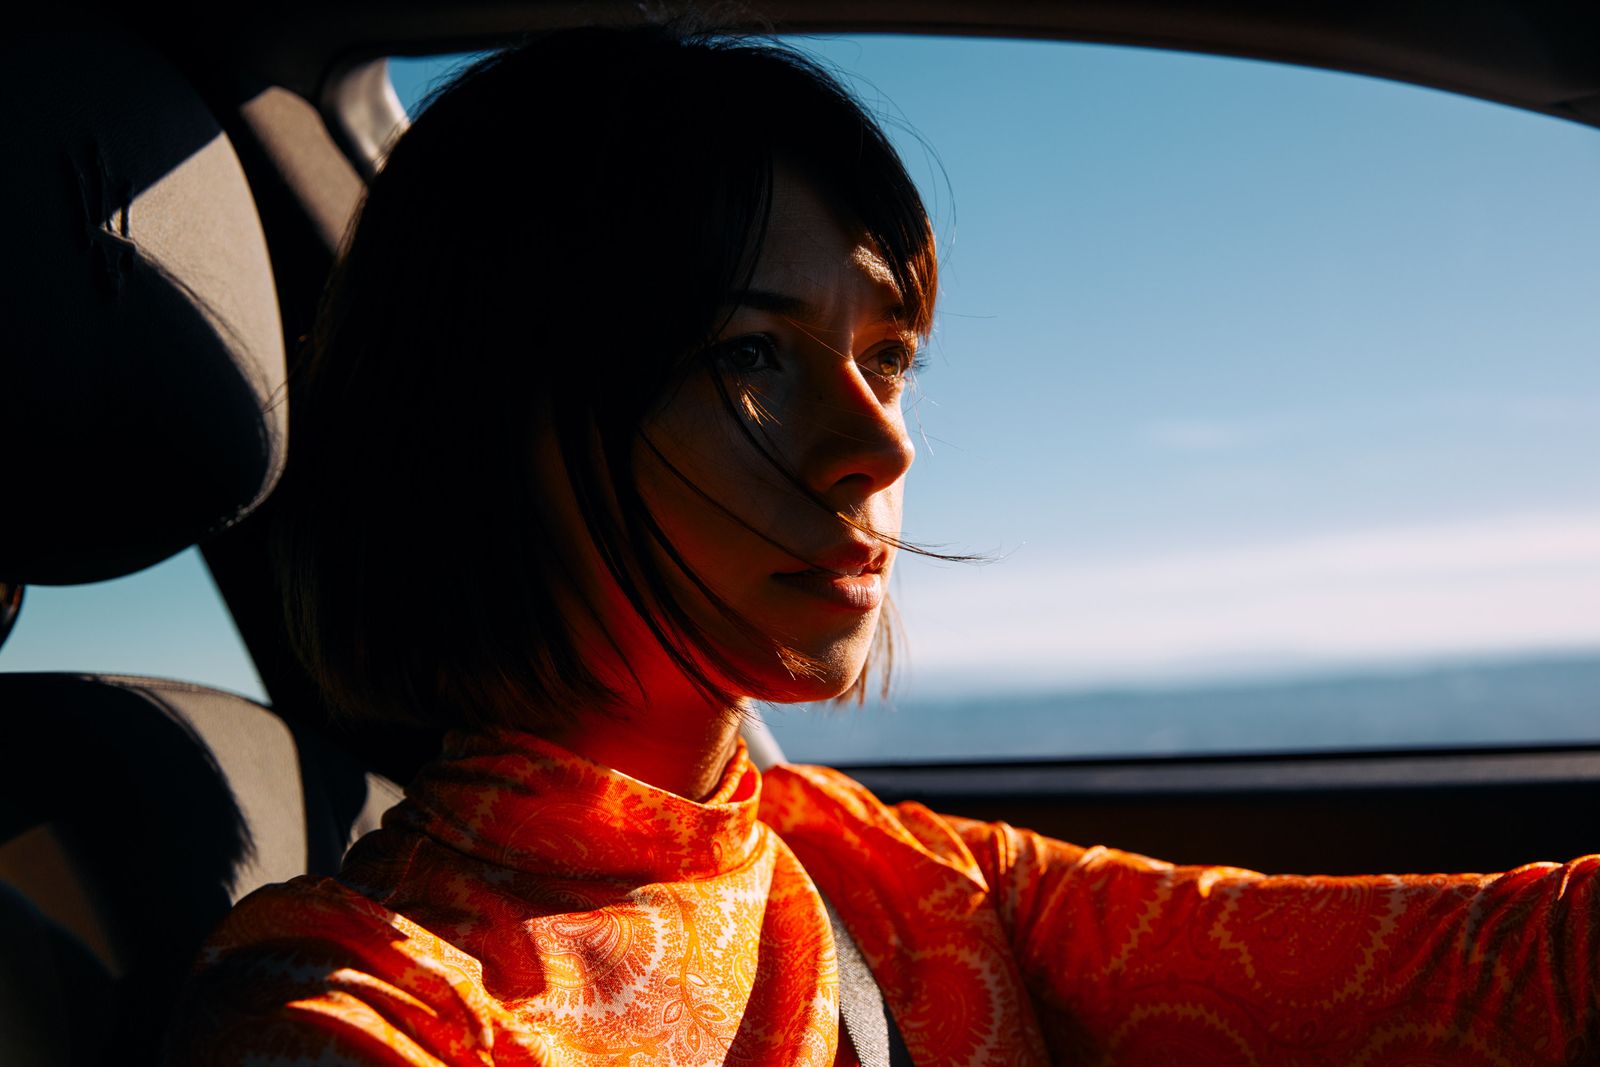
x=1244 y=368
x=1239 y=369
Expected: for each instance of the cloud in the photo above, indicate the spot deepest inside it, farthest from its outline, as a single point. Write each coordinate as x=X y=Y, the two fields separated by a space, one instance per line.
x=1501 y=585
x=1202 y=435
x=1540 y=413
x=1538 y=410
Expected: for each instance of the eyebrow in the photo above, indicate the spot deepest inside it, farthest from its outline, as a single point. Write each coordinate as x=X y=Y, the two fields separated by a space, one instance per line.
x=797 y=307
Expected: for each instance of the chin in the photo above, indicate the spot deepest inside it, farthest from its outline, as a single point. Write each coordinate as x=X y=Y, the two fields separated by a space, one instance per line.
x=832 y=680
x=833 y=660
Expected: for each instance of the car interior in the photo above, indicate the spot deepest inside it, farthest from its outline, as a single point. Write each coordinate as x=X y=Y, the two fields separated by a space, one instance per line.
x=181 y=179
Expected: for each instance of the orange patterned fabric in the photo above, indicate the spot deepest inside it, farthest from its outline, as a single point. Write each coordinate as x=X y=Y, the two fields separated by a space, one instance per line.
x=525 y=906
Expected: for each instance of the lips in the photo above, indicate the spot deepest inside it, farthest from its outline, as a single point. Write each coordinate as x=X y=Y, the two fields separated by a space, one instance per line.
x=848 y=576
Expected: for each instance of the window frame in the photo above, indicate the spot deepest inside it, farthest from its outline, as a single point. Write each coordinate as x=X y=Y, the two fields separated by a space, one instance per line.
x=1364 y=808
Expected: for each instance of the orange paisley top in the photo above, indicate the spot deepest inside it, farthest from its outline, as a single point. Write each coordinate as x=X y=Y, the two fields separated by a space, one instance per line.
x=525 y=906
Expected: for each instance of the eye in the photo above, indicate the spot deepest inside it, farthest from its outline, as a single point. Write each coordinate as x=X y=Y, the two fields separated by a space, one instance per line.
x=747 y=354
x=892 y=362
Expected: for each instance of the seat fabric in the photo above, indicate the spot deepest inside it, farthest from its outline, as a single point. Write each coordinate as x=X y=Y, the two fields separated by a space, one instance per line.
x=163 y=804
x=143 y=357
x=142 y=367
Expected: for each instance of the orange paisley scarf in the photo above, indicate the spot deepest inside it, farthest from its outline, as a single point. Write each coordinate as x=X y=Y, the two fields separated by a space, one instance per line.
x=525 y=906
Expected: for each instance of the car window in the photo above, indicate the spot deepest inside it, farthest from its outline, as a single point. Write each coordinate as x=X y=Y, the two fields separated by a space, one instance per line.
x=1267 y=395
x=168 y=621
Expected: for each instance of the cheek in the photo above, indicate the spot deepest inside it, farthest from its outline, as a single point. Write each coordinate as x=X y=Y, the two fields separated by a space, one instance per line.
x=690 y=482
x=698 y=463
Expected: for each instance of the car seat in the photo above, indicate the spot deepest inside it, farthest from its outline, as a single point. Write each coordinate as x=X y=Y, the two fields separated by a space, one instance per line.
x=141 y=369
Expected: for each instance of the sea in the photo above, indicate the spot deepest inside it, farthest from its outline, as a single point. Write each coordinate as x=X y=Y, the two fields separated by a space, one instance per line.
x=1526 y=701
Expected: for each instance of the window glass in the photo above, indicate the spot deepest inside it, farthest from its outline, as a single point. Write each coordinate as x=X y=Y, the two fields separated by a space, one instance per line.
x=414 y=77
x=1268 y=394
x=167 y=621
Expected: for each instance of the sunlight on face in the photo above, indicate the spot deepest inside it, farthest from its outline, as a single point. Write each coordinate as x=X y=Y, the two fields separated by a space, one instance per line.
x=818 y=358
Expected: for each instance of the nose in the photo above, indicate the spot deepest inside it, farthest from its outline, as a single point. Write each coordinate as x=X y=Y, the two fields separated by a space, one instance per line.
x=858 y=444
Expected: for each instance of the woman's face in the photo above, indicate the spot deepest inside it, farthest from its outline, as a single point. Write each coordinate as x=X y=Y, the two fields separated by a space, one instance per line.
x=816 y=356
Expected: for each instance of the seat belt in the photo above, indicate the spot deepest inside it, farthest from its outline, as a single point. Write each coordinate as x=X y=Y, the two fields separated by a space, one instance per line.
x=862 y=1010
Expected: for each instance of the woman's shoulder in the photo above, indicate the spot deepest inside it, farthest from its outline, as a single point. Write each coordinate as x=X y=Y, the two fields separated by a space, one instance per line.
x=313 y=965
x=814 y=807
x=313 y=910
x=822 y=812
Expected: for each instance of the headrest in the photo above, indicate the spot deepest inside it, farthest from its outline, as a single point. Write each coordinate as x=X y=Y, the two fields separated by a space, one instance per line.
x=10 y=608
x=141 y=360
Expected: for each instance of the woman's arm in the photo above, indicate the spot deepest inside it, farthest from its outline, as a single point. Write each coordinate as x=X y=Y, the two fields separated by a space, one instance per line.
x=1130 y=960
x=310 y=972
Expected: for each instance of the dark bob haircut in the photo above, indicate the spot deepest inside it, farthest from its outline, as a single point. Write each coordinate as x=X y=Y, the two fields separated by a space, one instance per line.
x=546 y=251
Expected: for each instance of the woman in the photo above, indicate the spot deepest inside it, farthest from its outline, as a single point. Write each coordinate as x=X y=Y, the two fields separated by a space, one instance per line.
x=601 y=438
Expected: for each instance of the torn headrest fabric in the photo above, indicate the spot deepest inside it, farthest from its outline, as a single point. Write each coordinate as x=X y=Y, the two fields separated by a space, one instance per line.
x=141 y=360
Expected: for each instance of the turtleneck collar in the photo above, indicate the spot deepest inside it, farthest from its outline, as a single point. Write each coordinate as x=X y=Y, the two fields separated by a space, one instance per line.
x=522 y=802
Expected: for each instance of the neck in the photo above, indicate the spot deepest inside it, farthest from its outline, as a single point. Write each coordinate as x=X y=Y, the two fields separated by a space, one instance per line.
x=681 y=746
